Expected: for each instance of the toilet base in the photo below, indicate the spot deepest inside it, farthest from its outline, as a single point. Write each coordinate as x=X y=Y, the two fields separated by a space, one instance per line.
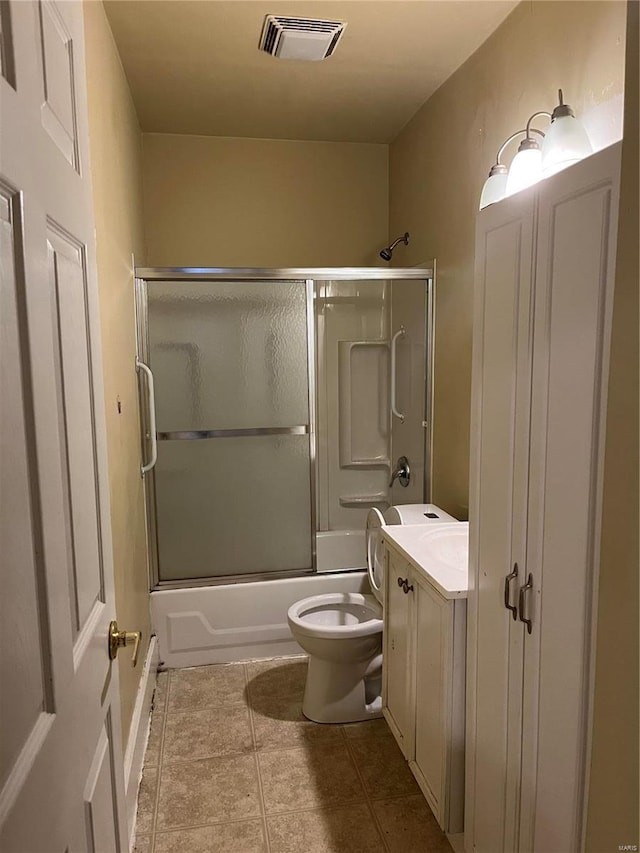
x=347 y=693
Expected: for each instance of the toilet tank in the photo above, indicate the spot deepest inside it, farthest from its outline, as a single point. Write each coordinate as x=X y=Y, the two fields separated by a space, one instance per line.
x=416 y=514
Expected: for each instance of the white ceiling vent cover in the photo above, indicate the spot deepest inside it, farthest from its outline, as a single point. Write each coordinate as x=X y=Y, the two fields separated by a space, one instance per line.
x=300 y=38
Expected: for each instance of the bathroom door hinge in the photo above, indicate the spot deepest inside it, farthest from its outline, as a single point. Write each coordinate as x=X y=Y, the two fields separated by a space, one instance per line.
x=425 y=424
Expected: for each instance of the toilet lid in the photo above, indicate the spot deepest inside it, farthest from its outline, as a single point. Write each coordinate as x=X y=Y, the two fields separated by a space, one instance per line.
x=375 y=551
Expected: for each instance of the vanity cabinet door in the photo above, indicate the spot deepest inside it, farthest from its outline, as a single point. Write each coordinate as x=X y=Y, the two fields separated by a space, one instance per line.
x=397 y=700
x=433 y=627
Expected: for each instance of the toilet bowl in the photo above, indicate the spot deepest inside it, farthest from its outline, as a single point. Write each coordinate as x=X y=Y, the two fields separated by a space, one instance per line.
x=342 y=632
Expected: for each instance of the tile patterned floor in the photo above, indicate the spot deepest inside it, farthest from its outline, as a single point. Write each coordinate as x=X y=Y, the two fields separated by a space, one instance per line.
x=232 y=766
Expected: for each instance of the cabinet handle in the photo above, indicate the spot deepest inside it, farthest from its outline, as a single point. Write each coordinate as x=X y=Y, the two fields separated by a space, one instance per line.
x=521 y=601
x=507 y=590
x=406 y=586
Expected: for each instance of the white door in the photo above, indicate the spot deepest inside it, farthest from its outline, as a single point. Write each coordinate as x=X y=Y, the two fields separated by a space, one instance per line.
x=498 y=512
x=61 y=783
x=577 y=232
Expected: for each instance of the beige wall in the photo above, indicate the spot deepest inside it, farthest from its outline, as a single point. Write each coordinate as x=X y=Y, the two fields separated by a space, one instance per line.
x=216 y=201
x=115 y=144
x=613 y=794
x=441 y=159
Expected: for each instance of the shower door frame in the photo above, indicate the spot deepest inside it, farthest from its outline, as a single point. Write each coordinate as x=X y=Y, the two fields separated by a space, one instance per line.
x=309 y=277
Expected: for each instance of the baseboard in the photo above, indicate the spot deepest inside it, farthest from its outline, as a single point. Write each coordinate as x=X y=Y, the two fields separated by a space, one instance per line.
x=138 y=735
x=457 y=842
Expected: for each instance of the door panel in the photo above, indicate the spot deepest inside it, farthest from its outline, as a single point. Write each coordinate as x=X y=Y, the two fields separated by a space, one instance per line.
x=432 y=629
x=22 y=697
x=232 y=397
x=67 y=281
x=500 y=415
x=574 y=294
x=56 y=574
x=397 y=669
x=410 y=437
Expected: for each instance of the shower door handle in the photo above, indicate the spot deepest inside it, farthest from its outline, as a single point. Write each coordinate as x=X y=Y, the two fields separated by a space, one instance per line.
x=141 y=366
x=394 y=343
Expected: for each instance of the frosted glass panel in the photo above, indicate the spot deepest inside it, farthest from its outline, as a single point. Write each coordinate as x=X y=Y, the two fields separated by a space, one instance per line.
x=228 y=355
x=232 y=506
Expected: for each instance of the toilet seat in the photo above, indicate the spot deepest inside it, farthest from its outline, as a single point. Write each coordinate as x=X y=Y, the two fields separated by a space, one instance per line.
x=375 y=551
x=320 y=615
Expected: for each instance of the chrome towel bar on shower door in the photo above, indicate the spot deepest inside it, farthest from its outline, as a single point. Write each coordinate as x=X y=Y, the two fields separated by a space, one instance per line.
x=394 y=342
x=140 y=365
x=198 y=434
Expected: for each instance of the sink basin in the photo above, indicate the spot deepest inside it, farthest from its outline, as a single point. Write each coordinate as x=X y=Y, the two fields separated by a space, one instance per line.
x=441 y=551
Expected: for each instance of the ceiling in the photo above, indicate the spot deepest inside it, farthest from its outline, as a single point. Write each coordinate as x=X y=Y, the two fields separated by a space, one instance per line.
x=194 y=65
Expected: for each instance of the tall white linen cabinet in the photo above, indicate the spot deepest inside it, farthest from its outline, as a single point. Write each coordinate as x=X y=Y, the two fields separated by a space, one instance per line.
x=543 y=302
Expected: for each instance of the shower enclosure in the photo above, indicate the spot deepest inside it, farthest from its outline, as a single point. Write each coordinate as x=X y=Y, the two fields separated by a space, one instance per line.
x=265 y=408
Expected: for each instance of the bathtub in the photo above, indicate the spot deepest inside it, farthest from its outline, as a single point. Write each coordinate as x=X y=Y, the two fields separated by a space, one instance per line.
x=340 y=549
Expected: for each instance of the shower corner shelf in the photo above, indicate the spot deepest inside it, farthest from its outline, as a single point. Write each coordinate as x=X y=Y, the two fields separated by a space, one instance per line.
x=379 y=462
x=379 y=499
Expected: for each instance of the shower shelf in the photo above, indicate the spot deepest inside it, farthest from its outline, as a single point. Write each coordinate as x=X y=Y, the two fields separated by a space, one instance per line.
x=363 y=404
x=379 y=499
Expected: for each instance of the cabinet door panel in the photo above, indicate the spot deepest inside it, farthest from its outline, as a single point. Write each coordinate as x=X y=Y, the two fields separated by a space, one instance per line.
x=574 y=288
x=433 y=629
x=398 y=653
x=500 y=418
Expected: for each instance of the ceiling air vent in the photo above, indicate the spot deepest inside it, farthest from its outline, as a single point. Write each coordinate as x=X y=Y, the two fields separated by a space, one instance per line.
x=300 y=38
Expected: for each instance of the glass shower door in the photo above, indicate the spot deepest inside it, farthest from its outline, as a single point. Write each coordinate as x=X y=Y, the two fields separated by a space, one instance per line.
x=233 y=480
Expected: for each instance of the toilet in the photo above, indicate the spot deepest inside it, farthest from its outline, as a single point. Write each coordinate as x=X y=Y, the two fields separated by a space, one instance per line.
x=342 y=632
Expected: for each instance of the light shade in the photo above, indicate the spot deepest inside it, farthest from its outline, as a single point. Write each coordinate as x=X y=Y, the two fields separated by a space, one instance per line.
x=525 y=170
x=565 y=143
x=495 y=188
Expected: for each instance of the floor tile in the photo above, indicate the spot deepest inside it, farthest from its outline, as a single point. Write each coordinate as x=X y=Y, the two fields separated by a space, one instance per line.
x=312 y=777
x=383 y=768
x=147 y=800
x=340 y=830
x=152 y=755
x=161 y=689
x=206 y=687
x=276 y=678
x=368 y=728
x=409 y=825
x=245 y=836
x=212 y=789
x=280 y=723
x=143 y=844
x=203 y=734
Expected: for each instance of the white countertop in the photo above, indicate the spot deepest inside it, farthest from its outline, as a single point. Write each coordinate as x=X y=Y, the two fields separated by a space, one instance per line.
x=440 y=552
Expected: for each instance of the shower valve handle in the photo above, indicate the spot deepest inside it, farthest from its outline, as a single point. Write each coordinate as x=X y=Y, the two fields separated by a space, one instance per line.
x=402 y=472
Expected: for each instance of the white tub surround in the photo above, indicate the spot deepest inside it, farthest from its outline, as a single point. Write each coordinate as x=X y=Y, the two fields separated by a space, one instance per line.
x=340 y=550
x=234 y=622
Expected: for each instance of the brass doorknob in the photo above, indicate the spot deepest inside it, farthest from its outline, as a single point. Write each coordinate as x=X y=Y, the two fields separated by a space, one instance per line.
x=120 y=639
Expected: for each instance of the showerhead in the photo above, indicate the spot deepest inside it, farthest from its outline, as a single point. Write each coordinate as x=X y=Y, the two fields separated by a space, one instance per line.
x=387 y=252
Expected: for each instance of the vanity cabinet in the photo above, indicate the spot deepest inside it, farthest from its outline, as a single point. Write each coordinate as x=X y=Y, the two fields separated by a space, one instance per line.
x=543 y=301
x=423 y=684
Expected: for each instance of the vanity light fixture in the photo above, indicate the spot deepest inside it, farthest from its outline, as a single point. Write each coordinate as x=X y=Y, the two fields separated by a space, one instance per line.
x=566 y=142
x=495 y=187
